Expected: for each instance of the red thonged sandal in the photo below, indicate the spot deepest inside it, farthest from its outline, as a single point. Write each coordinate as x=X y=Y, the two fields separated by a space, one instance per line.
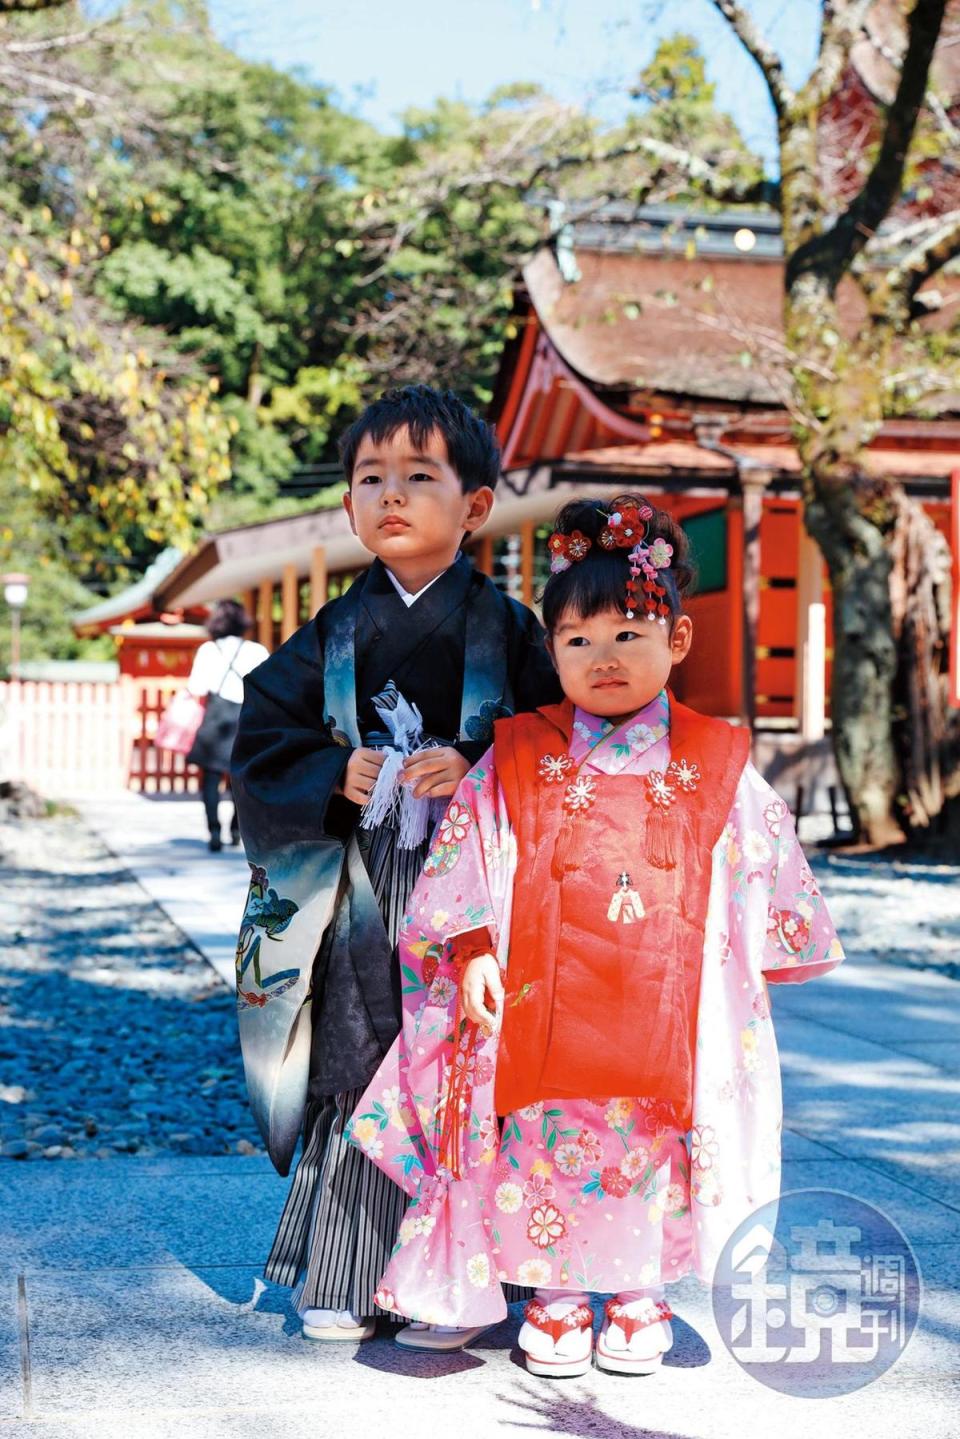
x=571 y=1340
x=651 y=1319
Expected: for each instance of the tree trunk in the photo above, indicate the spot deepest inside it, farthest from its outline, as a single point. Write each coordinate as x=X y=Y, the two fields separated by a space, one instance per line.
x=888 y=697
x=255 y=379
x=925 y=729
x=850 y=517
x=864 y=649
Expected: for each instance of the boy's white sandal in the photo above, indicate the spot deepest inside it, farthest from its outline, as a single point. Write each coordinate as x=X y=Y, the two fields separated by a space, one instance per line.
x=329 y=1326
x=635 y=1336
x=557 y=1338
x=438 y=1337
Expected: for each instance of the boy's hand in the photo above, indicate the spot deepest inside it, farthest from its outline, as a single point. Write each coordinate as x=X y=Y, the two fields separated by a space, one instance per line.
x=360 y=776
x=481 y=991
x=434 y=772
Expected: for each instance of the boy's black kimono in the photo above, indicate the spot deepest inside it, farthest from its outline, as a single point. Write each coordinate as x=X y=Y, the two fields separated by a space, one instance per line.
x=464 y=654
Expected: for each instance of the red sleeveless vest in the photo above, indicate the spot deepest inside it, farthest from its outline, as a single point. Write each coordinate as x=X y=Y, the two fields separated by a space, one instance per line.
x=601 y=1001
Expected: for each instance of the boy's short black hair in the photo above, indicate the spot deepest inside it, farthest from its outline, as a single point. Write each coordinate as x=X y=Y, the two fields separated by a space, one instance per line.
x=472 y=446
x=598 y=582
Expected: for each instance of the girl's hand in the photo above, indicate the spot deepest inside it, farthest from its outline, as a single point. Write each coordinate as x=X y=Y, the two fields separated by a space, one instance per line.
x=481 y=991
x=435 y=772
x=363 y=766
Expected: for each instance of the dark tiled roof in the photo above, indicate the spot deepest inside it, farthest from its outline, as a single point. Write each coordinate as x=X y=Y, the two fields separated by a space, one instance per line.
x=675 y=321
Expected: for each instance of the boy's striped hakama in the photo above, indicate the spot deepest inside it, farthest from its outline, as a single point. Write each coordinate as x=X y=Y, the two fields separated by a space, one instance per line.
x=342 y=1213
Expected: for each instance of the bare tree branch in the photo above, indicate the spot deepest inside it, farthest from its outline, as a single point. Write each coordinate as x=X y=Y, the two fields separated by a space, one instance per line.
x=14 y=7
x=886 y=245
x=921 y=262
x=762 y=51
x=833 y=251
x=934 y=103
x=51 y=84
x=907 y=388
x=57 y=42
x=760 y=192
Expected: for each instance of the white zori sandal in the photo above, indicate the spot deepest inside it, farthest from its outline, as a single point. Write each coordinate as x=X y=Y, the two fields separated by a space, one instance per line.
x=332 y=1326
x=635 y=1336
x=557 y=1338
x=439 y=1337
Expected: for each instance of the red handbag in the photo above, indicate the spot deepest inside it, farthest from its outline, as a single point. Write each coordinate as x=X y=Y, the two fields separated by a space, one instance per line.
x=179 y=722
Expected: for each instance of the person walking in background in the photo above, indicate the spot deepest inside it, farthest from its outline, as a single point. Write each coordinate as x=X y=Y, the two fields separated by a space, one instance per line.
x=219 y=667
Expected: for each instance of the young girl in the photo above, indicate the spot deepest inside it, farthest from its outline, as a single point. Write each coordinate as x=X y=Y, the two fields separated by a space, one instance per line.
x=586 y=1094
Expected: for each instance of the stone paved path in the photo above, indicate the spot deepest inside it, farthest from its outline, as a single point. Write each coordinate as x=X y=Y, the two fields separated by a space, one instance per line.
x=116 y=1035
x=131 y=1302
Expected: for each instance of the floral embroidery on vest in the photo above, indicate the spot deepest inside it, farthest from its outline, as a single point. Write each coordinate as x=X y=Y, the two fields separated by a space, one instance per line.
x=580 y=794
x=662 y=787
x=687 y=776
x=659 y=792
x=554 y=767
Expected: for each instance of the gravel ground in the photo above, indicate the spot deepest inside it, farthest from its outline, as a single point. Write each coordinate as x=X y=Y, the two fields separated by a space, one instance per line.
x=116 y=1037
x=903 y=912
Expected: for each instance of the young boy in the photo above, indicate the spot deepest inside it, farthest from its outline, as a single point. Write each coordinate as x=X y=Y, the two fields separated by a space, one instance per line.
x=318 y=987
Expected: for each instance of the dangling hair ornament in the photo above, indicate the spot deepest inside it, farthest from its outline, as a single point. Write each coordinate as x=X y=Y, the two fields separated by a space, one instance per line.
x=567 y=550
x=646 y=560
x=626 y=529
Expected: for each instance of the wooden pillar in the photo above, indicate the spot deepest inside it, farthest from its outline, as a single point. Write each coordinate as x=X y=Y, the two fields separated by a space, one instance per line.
x=811 y=650
x=290 y=602
x=249 y=601
x=733 y=691
x=265 y=613
x=318 y=579
x=753 y=484
x=484 y=555
x=526 y=561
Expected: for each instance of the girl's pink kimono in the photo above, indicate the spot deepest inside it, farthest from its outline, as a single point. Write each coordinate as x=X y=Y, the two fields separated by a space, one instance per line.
x=588 y=1194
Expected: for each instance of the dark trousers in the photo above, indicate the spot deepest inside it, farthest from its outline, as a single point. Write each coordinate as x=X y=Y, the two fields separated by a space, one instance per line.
x=210 y=791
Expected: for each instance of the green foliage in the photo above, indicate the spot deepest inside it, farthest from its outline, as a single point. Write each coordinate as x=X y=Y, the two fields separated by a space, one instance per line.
x=114 y=456
x=316 y=405
x=210 y=266
x=197 y=297
x=678 y=106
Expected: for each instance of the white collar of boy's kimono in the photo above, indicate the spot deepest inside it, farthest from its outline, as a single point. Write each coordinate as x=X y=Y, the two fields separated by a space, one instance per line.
x=410 y=597
x=599 y=744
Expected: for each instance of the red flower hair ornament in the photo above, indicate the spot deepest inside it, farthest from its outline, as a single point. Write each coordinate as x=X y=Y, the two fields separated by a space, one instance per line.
x=567 y=550
x=626 y=529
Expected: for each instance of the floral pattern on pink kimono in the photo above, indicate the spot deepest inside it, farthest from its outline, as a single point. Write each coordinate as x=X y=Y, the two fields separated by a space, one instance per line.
x=595 y=1194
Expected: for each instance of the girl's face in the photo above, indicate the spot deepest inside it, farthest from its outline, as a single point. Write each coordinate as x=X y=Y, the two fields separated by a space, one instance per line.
x=612 y=666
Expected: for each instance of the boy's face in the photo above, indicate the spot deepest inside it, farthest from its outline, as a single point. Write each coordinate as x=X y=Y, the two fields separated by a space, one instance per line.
x=612 y=666
x=406 y=505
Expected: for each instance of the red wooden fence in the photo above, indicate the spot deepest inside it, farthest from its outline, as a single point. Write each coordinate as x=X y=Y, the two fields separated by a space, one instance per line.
x=67 y=738
x=158 y=771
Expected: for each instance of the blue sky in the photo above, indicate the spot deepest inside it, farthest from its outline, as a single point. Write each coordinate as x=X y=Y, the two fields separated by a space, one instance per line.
x=381 y=55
